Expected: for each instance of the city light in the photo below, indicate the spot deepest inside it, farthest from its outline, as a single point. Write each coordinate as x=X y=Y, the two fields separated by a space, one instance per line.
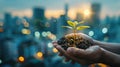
x=102 y=65
x=0 y=61
x=21 y=59
x=39 y=54
x=91 y=33
x=44 y=34
x=104 y=30
x=52 y=36
x=26 y=24
x=26 y=31
x=48 y=33
x=55 y=50
x=87 y=13
x=1 y=24
x=37 y=34
x=1 y=29
x=72 y=13
x=50 y=45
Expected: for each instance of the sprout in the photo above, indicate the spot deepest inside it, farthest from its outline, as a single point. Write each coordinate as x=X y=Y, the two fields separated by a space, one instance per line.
x=75 y=26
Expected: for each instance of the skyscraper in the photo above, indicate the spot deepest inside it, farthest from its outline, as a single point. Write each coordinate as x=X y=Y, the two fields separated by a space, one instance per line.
x=79 y=16
x=39 y=18
x=66 y=9
x=38 y=13
x=95 y=17
x=8 y=24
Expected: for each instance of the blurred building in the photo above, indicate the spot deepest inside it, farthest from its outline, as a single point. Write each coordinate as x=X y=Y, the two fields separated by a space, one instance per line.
x=79 y=16
x=38 y=13
x=8 y=24
x=66 y=9
x=53 y=25
x=39 y=18
x=95 y=22
x=62 y=21
x=118 y=32
x=95 y=16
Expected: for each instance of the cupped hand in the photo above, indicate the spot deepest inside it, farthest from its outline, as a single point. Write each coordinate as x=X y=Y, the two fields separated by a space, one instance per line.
x=91 y=55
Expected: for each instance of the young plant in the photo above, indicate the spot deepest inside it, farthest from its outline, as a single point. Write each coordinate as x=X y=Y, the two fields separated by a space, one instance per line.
x=75 y=26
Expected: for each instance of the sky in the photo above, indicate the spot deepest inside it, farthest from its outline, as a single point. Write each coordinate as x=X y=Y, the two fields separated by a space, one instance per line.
x=56 y=7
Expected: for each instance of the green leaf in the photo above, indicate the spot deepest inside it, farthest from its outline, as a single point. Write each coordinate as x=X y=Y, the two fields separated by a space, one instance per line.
x=68 y=27
x=81 y=22
x=71 y=23
x=76 y=23
x=82 y=27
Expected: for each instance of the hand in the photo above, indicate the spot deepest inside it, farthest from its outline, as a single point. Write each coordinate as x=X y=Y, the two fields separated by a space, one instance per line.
x=90 y=55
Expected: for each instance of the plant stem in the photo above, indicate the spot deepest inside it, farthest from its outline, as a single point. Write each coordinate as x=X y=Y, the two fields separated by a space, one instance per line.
x=74 y=36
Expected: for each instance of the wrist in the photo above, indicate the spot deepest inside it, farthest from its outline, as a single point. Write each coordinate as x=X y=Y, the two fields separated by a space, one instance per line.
x=110 y=58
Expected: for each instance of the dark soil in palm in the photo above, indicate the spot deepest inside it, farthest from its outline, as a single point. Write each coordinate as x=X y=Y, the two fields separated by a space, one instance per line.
x=78 y=40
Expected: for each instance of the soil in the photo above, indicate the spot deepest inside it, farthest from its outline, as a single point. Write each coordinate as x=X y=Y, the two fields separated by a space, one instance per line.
x=78 y=40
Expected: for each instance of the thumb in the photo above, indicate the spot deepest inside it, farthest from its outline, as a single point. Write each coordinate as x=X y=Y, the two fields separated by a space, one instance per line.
x=81 y=53
x=76 y=52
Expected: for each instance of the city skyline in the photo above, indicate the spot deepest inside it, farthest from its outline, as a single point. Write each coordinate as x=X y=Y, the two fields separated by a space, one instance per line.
x=55 y=8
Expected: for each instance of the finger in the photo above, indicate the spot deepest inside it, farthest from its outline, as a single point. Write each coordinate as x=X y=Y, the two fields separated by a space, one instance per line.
x=60 y=49
x=92 y=49
x=76 y=52
x=60 y=54
x=63 y=52
x=81 y=52
x=54 y=43
x=73 y=62
x=67 y=59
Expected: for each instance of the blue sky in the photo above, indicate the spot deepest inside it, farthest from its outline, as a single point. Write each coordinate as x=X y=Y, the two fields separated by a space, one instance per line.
x=19 y=7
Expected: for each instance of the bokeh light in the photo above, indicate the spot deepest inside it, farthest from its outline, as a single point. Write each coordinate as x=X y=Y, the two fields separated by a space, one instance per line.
x=44 y=34
x=21 y=59
x=0 y=61
x=91 y=33
x=26 y=31
x=40 y=54
x=37 y=34
x=104 y=30
x=87 y=13
x=50 y=45
x=55 y=50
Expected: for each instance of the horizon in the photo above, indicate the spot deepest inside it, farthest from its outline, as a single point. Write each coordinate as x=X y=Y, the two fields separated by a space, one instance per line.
x=55 y=8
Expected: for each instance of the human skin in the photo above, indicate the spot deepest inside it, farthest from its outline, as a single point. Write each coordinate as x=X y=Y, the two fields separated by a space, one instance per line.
x=100 y=52
x=113 y=47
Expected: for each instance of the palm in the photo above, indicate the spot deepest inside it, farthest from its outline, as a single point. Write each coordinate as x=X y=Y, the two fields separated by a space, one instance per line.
x=87 y=56
x=92 y=54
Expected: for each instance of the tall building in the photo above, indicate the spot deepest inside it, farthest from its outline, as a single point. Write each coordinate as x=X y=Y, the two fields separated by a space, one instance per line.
x=53 y=27
x=8 y=24
x=66 y=9
x=62 y=21
x=94 y=22
x=39 y=18
x=38 y=13
x=95 y=17
x=79 y=16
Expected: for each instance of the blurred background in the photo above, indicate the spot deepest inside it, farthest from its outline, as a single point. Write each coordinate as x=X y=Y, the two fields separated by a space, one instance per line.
x=28 y=27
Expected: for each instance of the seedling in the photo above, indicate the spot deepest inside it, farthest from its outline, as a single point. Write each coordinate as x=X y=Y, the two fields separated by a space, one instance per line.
x=75 y=39
x=75 y=26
